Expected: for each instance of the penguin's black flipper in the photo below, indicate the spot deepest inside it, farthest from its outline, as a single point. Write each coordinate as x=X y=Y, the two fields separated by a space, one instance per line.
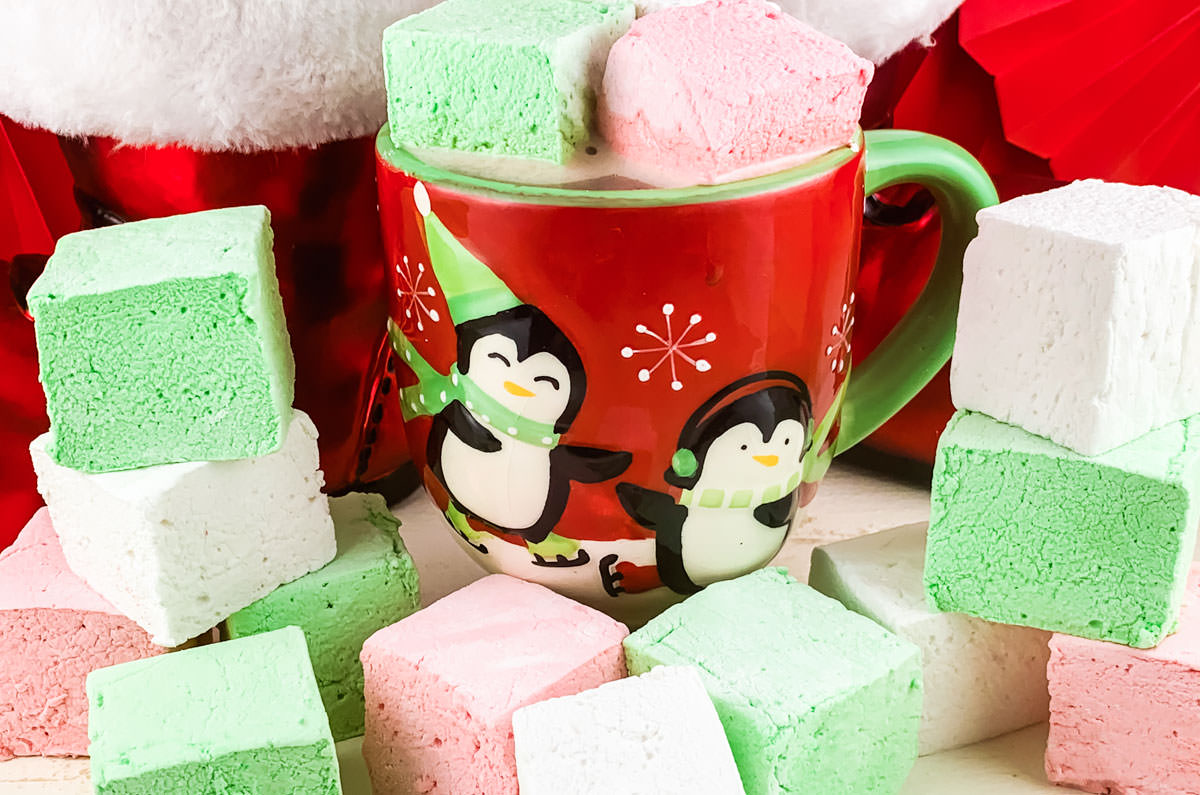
x=659 y=512
x=777 y=513
x=469 y=429
x=651 y=509
x=590 y=464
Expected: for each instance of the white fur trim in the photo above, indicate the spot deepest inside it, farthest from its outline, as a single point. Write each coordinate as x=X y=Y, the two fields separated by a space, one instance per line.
x=874 y=29
x=211 y=74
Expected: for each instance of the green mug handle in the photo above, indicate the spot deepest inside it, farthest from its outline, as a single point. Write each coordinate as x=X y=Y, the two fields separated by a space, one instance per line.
x=921 y=343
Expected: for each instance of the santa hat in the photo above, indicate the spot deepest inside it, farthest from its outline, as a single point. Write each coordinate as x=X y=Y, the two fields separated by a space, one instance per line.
x=209 y=74
x=874 y=29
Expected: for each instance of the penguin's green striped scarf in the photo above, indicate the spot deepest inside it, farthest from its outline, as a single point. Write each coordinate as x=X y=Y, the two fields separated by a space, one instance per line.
x=739 y=498
x=434 y=391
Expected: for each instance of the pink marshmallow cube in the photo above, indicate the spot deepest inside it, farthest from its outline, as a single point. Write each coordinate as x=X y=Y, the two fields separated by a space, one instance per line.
x=729 y=88
x=54 y=631
x=442 y=684
x=1126 y=721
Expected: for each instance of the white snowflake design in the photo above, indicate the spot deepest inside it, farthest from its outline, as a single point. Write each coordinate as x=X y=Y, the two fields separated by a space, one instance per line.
x=412 y=295
x=670 y=347
x=839 y=351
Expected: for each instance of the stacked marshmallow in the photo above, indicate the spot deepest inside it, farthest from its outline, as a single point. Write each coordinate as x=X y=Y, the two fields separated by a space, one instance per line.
x=1066 y=490
x=180 y=481
x=180 y=484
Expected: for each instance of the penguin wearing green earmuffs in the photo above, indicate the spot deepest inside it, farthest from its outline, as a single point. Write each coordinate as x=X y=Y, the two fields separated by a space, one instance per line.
x=516 y=386
x=738 y=469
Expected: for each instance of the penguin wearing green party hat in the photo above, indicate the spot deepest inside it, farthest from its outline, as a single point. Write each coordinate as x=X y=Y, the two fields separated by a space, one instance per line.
x=516 y=387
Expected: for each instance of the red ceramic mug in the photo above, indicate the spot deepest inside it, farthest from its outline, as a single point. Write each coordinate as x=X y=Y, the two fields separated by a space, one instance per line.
x=626 y=394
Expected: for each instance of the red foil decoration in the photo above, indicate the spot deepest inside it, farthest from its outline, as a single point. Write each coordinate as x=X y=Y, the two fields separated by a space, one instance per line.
x=35 y=208
x=330 y=264
x=327 y=254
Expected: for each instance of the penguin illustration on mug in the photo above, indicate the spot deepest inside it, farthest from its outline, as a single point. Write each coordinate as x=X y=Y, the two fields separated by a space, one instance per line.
x=736 y=474
x=498 y=415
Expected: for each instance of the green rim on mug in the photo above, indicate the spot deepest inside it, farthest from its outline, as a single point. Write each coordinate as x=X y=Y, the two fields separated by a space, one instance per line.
x=403 y=160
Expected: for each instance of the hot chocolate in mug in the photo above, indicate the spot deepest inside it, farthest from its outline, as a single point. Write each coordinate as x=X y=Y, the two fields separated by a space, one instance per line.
x=626 y=395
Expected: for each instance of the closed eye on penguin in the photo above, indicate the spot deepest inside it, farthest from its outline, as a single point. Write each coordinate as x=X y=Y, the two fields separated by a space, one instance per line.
x=501 y=357
x=549 y=379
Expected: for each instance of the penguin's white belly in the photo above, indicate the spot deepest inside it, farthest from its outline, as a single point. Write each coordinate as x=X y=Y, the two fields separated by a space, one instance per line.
x=507 y=488
x=720 y=543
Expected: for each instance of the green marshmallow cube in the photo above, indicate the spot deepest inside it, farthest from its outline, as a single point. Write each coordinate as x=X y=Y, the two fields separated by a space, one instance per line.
x=371 y=584
x=813 y=698
x=1023 y=531
x=241 y=716
x=163 y=341
x=506 y=77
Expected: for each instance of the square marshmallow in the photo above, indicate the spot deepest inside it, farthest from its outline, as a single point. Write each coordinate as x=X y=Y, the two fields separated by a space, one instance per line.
x=981 y=679
x=1080 y=314
x=54 y=630
x=242 y=716
x=813 y=698
x=180 y=547
x=506 y=77
x=442 y=684
x=164 y=340
x=657 y=733
x=1022 y=531
x=1127 y=721
x=729 y=88
x=371 y=584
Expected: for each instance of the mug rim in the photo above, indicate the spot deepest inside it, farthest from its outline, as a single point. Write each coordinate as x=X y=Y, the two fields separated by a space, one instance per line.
x=404 y=161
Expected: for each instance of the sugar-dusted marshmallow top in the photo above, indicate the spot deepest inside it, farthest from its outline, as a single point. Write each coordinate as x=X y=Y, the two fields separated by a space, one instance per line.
x=229 y=240
x=727 y=85
x=781 y=625
x=192 y=706
x=1111 y=213
x=658 y=731
x=488 y=638
x=34 y=574
x=1170 y=453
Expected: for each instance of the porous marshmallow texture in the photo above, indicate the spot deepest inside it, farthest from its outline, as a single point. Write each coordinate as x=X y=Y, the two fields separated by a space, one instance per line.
x=658 y=734
x=370 y=584
x=813 y=697
x=242 y=716
x=1080 y=314
x=54 y=630
x=179 y=547
x=442 y=685
x=163 y=341
x=1125 y=721
x=1023 y=531
x=981 y=679
x=505 y=77
x=729 y=88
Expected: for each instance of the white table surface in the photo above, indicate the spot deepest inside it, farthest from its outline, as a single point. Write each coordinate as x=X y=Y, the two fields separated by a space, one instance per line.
x=852 y=501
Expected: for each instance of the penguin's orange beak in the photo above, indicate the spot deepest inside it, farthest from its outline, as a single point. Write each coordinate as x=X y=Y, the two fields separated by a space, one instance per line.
x=766 y=460
x=516 y=389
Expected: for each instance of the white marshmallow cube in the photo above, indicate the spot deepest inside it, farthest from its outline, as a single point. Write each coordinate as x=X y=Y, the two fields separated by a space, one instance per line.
x=178 y=548
x=981 y=679
x=654 y=734
x=1080 y=314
